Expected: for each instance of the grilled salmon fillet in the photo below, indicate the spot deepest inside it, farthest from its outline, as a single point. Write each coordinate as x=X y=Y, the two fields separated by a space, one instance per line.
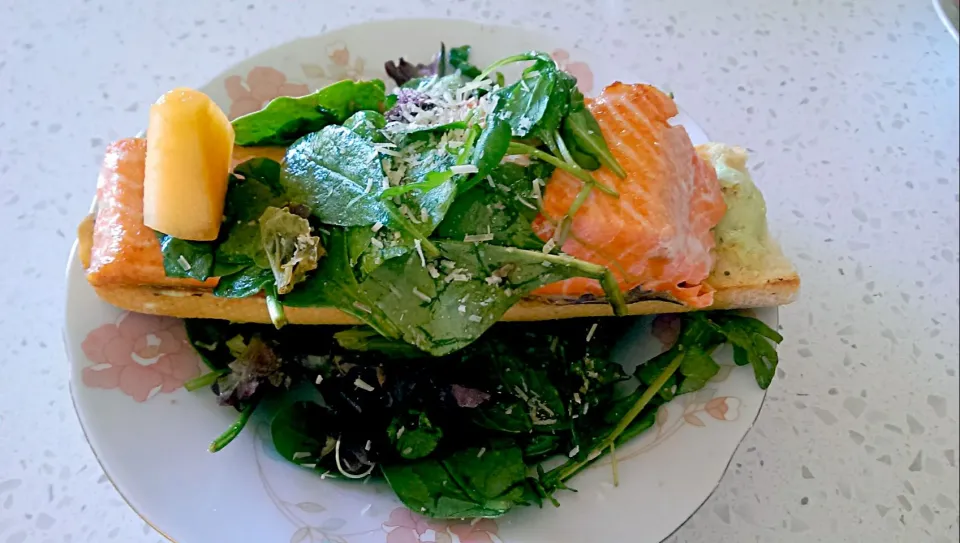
x=125 y=251
x=657 y=234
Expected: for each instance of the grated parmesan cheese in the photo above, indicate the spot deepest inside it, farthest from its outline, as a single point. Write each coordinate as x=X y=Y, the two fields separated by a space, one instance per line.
x=184 y=264
x=590 y=333
x=377 y=226
x=422 y=296
x=464 y=169
x=549 y=246
x=475 y=318
x=574 y=451
x=526 y=203
x=419 y=248
x=376 y=243
x=363 y=385
x=477 y=238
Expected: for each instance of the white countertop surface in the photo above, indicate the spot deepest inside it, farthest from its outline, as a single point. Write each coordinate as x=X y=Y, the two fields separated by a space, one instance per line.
x=850 y=110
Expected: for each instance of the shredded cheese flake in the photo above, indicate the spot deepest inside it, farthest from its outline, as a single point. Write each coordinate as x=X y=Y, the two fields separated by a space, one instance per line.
x=481 y=451
x=184 y=264
x=477 y=238
x=549 y=246
x=475 y=318
x=419 y=248
x=422 y=296
x=574 y=451
x=526 y=203
x=363 y=385
x=377 y=226
x=376 y=243
x=319 y=379
x=593 y=329
x=464 y=169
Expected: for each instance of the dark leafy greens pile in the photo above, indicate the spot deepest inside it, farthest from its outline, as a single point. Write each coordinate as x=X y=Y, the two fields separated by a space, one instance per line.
x=405 y=211
x=462 y=435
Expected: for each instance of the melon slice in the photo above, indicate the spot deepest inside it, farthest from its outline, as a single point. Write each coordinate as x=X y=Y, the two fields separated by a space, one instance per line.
x=189 y=153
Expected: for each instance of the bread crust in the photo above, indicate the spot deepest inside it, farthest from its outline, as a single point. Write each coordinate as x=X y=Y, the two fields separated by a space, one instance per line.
x=201 y=303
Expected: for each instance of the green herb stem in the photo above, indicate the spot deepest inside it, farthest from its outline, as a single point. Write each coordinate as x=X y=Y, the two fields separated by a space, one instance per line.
x=563 y=230
x=277 y=315
x=234 y=430
x=503 y=62
x=562 y=147
x=204 y=380
x=611 y=288
x=571 y=467
x=576 y=171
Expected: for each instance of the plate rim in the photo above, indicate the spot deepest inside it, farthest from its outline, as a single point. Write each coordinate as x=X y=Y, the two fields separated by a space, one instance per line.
x=938 y=7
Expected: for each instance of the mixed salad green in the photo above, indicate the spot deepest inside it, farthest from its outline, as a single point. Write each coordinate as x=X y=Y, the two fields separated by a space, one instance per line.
x=411 y=211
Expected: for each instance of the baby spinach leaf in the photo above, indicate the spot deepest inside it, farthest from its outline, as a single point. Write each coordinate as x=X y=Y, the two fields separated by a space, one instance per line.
x=364 y=339
x=459 y=58
x=303 y=432
x=367 y=124
x=285 y=119
x=491 y=147
x=336 y=172
x=582 y=134
x=466 y=484
x=508 y=207
x=333 y=284
x=413 y=435
x=186 y=259
x=443 y=314
x=254 y=187
x=247 y=282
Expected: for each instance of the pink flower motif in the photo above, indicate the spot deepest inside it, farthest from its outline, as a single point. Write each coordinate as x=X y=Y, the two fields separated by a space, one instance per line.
x=263 y=84
x=666 y=328
x=723 y=408
x=408 y=527
x=474 y=532
x=141 y=355
x=580 y=70
x=338 y=53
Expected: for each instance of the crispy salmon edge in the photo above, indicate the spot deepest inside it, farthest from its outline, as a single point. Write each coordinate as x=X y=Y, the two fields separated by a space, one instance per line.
x=200 y=303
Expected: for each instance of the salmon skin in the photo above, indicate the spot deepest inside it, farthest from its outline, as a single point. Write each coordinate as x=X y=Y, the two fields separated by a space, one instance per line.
x=124 y=251
x=657 y=234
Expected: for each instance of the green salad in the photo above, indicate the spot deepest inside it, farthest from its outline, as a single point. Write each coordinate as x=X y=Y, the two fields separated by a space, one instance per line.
x=412 y=212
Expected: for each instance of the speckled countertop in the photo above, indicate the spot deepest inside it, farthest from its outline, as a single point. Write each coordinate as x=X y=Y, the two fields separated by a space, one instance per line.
x=850 y=110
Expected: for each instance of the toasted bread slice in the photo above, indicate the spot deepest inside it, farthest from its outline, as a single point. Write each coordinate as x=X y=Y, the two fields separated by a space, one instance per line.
x=750 y=270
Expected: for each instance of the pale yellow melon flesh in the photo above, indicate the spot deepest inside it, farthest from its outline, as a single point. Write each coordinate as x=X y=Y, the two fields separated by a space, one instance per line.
x=189 y=154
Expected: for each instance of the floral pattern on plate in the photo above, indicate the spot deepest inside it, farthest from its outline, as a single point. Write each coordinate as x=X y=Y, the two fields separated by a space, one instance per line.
x=141 y=355
x=262 y=85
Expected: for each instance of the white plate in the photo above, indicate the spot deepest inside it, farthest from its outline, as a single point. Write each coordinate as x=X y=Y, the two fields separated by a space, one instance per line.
x=151 y=436
x=949 y=14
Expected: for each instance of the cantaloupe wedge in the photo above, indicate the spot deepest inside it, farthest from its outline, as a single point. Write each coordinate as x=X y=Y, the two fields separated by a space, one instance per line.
x=189 y=154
